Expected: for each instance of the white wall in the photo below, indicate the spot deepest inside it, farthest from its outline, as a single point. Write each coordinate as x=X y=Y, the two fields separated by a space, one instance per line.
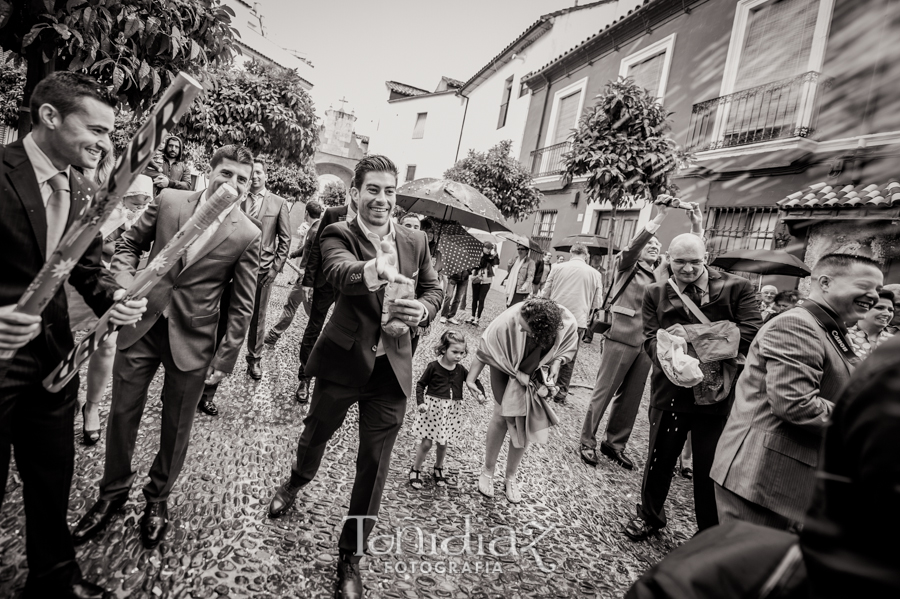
x=434 y=152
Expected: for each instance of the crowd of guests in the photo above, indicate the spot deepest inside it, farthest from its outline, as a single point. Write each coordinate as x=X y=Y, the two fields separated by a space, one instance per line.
x=754 y=395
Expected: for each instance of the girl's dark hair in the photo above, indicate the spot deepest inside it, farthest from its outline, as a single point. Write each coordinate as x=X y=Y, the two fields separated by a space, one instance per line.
x=447 y=339
x=544 y=318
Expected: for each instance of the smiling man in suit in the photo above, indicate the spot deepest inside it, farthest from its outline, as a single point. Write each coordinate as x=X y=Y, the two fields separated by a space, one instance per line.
x=40 y=195
x=355 y=362
x=766 y=460
x=178 y=332
x=673 y=411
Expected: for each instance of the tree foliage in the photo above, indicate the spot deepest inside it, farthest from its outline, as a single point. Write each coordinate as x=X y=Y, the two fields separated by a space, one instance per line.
x=263 y=107
x=134 y=46
x=334 y=193
x=12 y=82
x=622 y=145
x=291 y=180
x=501 y=178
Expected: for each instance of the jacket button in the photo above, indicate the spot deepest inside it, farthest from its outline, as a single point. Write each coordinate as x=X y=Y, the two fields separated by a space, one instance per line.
x=375 y=348
x=174 y=287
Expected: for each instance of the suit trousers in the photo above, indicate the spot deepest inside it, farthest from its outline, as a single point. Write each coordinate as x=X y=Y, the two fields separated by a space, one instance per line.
x=382 y=407
x=566 y=370
x=133 y=370
x=39 y=427
x=668 y=433
x=621 y=380
x=456 y=293
x=732 y=506
x=322 y=299
x=256 y=333
x=479 y=294
x=294 y=300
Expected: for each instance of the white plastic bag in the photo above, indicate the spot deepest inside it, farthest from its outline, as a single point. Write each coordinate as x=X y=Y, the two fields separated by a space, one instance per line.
x=683 y=370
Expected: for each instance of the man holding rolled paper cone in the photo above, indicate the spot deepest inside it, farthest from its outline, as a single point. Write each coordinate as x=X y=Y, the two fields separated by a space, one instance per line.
x=40 y=196
x=179 y=333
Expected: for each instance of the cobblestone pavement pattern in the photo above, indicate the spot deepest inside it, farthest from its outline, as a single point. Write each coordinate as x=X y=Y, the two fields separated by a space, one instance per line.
x=222 y=544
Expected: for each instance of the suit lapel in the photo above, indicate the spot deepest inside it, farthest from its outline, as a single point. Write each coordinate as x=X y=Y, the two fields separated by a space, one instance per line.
x=24 y=181
x=366 y=253
x=716 y=284
x=225 y=229
x=187 y=209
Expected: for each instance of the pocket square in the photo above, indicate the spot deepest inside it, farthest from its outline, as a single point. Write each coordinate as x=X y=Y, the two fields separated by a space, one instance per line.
x=414 y=275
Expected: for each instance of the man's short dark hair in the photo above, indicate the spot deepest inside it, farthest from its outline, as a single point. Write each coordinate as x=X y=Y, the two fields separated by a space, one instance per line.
x=63 y=90
x=373 y=164
x=791 y=297
x=314 y=208
x=831 y=264
x=578 y=249
x=235 y=152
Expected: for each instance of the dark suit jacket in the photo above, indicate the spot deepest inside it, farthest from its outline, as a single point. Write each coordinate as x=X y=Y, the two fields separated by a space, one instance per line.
x=275 y=241
x=193 y=291
x=345 y=352
x=314 y=276
x=23 y=240
x=311 y=236
x=730 y=298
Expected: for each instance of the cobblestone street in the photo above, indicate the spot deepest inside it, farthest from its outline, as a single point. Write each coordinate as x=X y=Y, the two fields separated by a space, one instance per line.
x=563 y=540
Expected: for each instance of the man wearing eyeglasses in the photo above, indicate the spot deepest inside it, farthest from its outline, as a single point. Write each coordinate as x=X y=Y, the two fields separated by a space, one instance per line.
x=673 y=411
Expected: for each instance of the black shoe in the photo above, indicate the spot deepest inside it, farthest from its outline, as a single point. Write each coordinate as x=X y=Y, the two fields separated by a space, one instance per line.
x=588 y=455
x=285 y=495
x=271 y=338
x=154 y=524
x=617 y=456
x=96 y=519
x=88 y=437
x=349 y=580
x=254 y=369
x=639 y=530
x=560 y=399
x=301 y=395
x=208 y=407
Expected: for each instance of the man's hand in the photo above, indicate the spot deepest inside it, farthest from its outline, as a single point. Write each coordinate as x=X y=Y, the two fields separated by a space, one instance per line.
x=161 y=181
x=269 y=277
x=124 y=314
x=307 y=294
x=213 y=376
x=662 y=208
x=386 y=263
x=16 y=328
x=695 y=215
x=410 y=311
x=677 y=330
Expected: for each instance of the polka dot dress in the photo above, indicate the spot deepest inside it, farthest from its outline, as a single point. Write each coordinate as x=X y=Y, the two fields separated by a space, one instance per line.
x=442 y=422
x=860 y=341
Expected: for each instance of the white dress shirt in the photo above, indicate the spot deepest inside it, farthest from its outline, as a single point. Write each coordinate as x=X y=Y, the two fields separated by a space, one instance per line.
x=43 y=167
x=370 y=273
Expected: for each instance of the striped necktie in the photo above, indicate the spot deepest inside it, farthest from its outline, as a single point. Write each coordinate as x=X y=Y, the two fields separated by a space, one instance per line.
x=57 y=210
x=254 y=201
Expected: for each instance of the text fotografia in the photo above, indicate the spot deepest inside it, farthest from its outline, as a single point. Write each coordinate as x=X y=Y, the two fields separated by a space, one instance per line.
x=499 y=542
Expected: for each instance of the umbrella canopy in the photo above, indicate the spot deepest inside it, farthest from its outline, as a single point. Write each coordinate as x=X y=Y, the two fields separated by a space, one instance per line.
x=596 y=245
x=482 y=236
x=448 y=200
x=520 y=240
x=459 y=250
x=763 y=262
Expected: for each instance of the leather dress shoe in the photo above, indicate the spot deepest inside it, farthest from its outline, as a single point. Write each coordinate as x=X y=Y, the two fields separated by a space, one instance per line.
x=301 y=395
x=588 y=455
x=208 y=407
x=349 y=580
x=254 y=369
x=639 y=530
x=616 y=455
x=285 y=495
x=271 y=338
x=154 y=524
x=96 y=519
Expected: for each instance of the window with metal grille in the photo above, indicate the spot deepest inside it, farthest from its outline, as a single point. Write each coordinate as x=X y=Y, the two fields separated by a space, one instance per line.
x=740 y=228
x=504 y=105
x=626 y=225
x=410 y=172
x=544 y=224
x=419 y=129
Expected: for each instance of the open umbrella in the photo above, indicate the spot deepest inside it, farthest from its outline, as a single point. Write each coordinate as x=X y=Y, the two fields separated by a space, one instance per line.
x=448 y=200
x=459 y=249
x=596 y=245
x=763 y=262
x=520 y=240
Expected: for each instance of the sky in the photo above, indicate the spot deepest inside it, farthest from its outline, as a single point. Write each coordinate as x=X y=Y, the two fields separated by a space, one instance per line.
x=357 y=45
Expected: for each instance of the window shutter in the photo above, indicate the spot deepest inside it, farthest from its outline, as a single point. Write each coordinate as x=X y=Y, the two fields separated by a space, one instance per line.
x=410 y=172
x=419 y=130
x=566 y=117
x=648 y=74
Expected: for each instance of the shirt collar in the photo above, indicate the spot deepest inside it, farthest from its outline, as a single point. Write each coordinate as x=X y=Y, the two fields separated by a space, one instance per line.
x=222 y=215
x=43 y=167
x=702 y=283
x=830 y=311
x=351 y=213
x=262 y=193
x=372 y=236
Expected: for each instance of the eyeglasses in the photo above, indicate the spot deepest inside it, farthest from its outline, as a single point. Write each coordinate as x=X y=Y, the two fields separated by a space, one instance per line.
x=679 y=264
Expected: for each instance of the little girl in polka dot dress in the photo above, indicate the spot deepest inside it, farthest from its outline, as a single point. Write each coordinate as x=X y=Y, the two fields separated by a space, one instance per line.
x=440 y=417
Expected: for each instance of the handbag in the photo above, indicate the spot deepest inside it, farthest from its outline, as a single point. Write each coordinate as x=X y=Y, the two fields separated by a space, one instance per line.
x=601 y=320
x=716 y=345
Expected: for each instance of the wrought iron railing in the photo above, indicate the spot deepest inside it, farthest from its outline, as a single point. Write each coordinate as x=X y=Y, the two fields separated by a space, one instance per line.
x=550 y=160
x=778 y=110
x=544 y=242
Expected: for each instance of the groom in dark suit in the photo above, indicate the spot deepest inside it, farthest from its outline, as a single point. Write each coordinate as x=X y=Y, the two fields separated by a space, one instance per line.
x=40 y=196
x=353 y=360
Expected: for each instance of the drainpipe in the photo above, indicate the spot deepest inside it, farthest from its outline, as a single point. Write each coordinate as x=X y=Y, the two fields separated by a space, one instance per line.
x=462 y=127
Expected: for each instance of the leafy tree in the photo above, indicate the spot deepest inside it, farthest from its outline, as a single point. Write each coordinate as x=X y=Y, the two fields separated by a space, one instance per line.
x=623 y=147
x=333 y=194
x=134 y=46
x=501 y=178
x=12 y=82
x=290 y=180
x=263 y=107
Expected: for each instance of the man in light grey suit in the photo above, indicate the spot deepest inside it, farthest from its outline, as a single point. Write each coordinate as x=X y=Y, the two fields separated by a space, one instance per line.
x=766 y=459
x=178 y=331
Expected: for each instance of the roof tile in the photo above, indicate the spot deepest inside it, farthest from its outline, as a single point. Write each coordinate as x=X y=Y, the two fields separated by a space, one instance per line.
x=824 y=196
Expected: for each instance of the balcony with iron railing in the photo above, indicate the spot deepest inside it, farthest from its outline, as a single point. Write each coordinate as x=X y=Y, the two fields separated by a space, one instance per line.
x=780 y=110
x=549 y=161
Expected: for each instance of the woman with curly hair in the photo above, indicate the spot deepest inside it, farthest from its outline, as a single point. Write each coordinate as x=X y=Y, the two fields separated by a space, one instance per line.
x=525 y=347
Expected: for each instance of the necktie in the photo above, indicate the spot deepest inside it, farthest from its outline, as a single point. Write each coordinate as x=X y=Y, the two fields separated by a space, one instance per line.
x=253 y=202
x=695 y=295
x=57 y=210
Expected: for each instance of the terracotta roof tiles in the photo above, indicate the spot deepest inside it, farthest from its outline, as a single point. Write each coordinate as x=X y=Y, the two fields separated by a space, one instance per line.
x=828 y=197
